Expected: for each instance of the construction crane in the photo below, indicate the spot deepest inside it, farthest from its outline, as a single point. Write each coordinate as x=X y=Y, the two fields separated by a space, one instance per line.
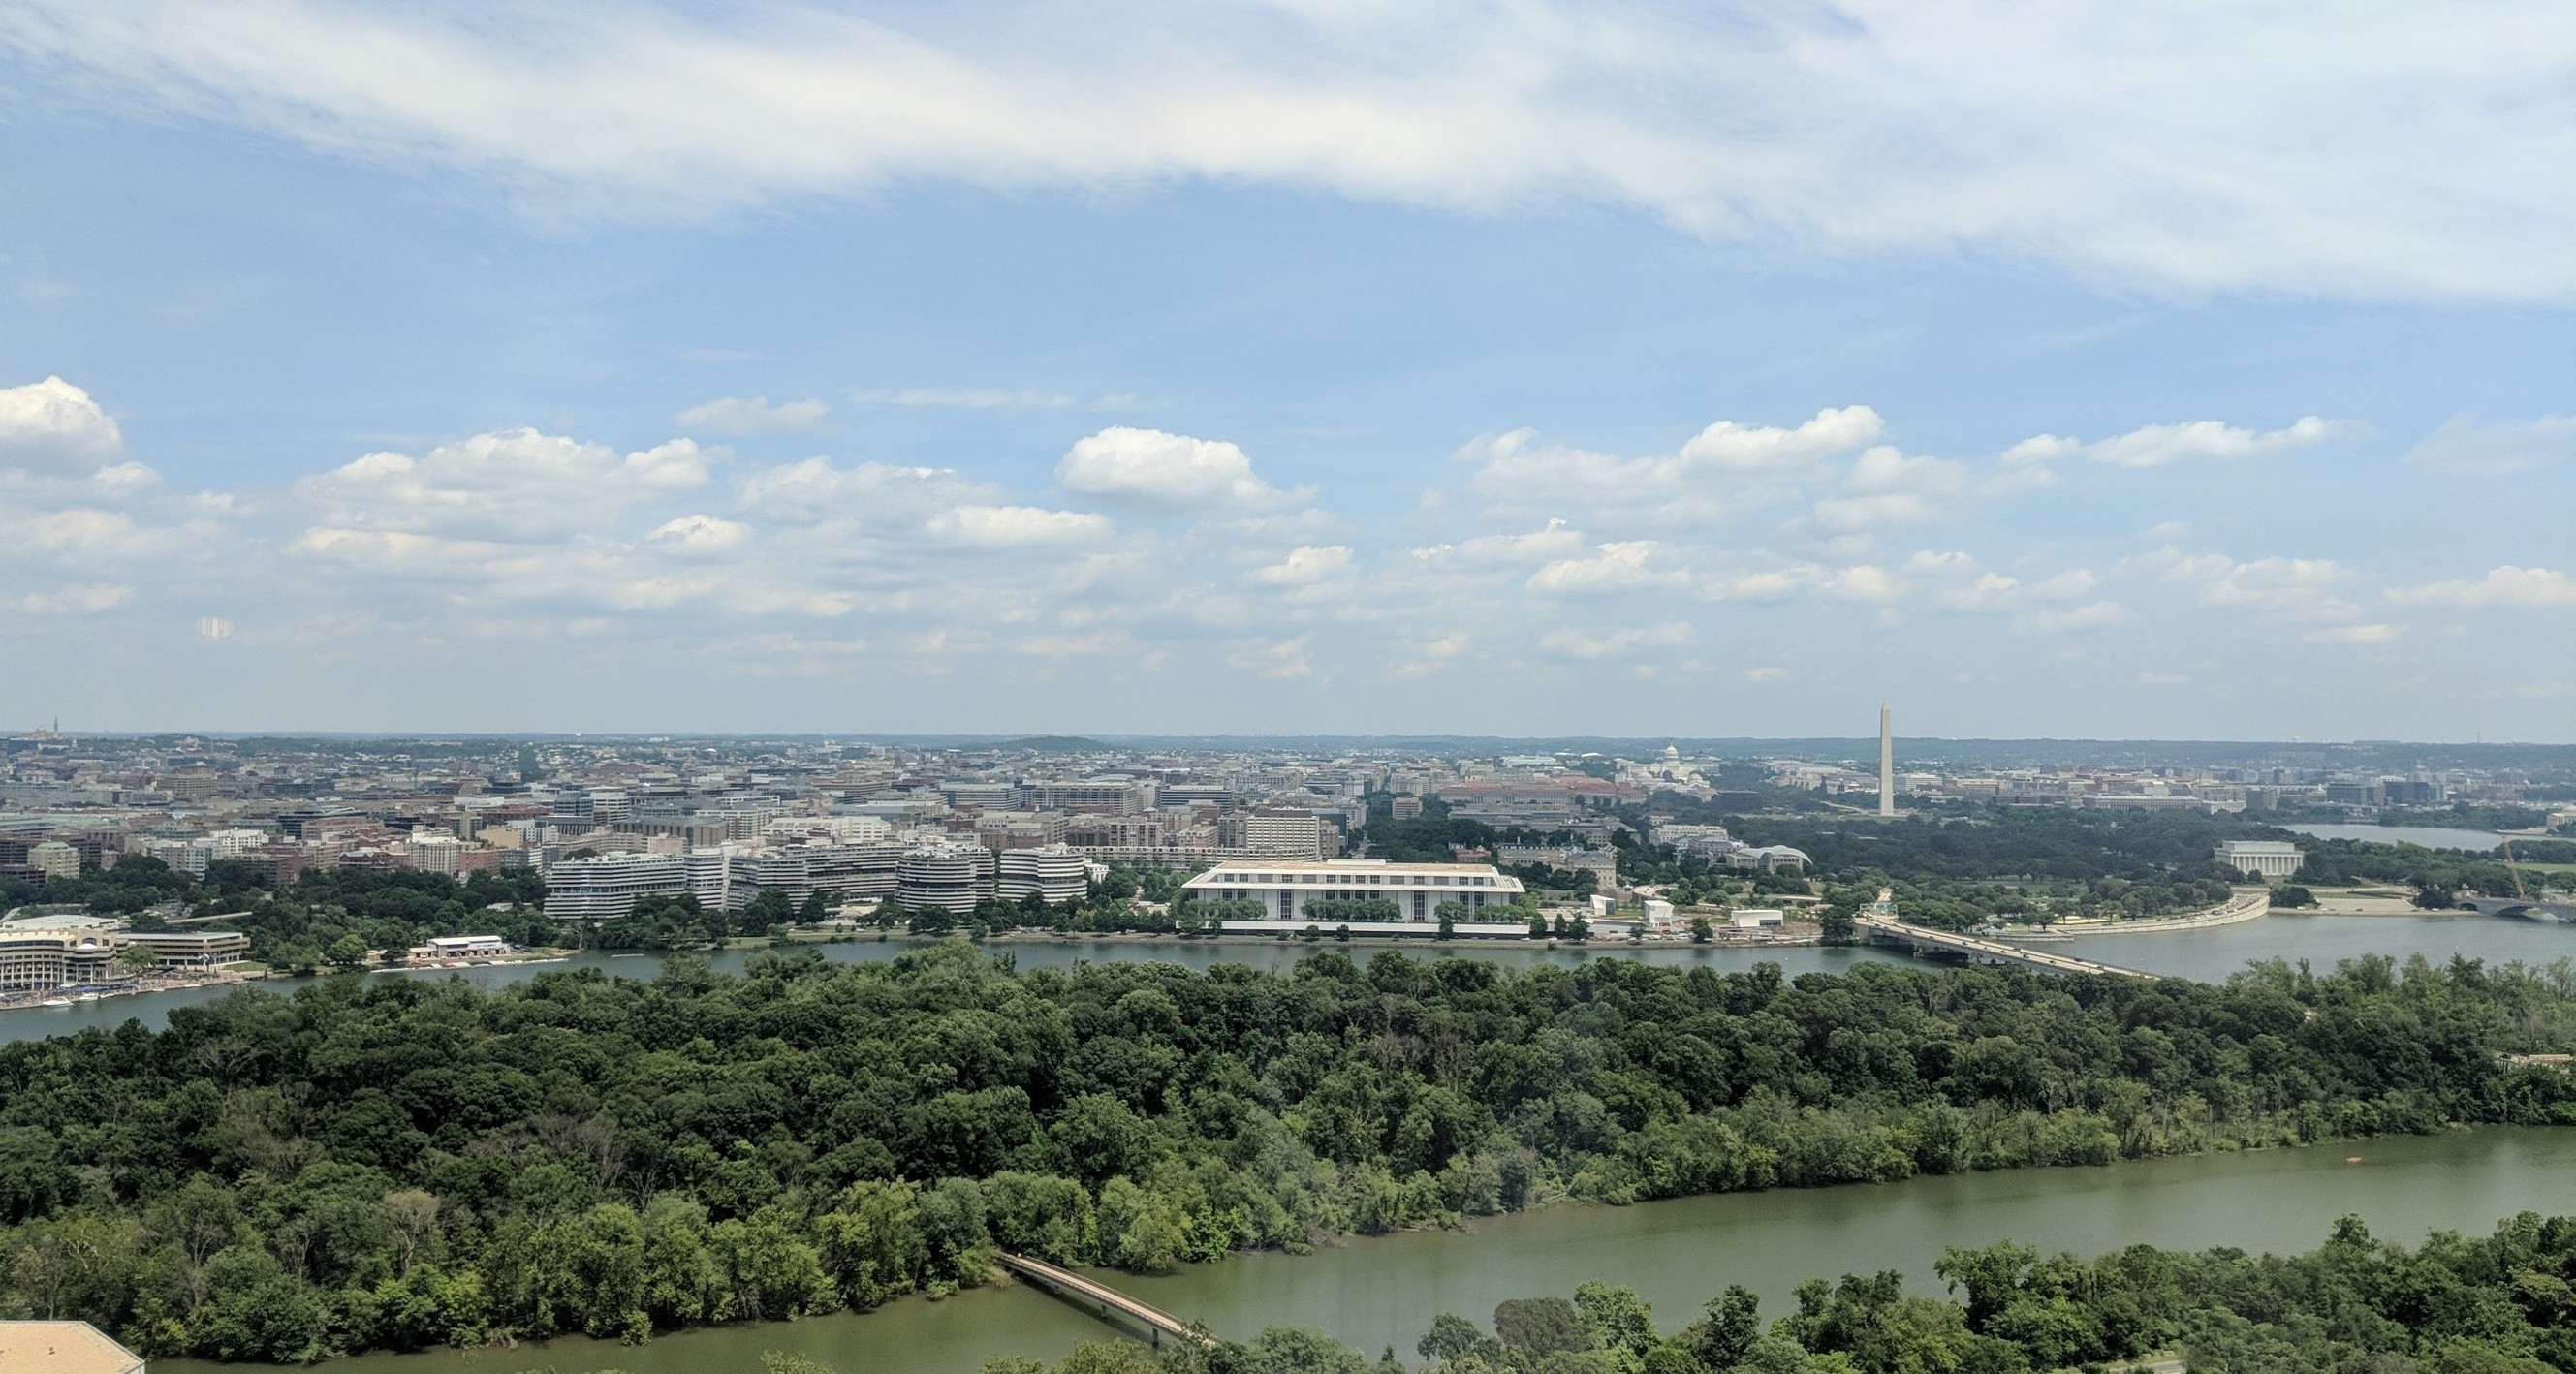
x=2505 y=842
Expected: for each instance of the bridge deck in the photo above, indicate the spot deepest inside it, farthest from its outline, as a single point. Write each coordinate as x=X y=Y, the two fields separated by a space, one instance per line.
x=1888 y=929
x=1103 y=1298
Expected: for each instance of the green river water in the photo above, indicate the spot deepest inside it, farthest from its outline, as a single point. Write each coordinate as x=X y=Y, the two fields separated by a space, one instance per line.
x=1375 y=1292
x=2209 y=955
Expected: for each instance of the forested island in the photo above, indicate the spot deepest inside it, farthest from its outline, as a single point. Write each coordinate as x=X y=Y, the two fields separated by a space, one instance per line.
x=2502 y=1304
x=398 y=1164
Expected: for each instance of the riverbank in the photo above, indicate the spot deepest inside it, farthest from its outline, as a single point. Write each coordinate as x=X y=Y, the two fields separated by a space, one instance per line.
x=2209 y=955
x=79 y=994
x=2250 y=906
x=1373 y=1292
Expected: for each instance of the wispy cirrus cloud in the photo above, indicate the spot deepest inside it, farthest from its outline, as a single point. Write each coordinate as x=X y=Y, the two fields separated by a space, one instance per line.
x=2506 y=586
x=2473 y=448
x=2232 y=148
x=753 y=415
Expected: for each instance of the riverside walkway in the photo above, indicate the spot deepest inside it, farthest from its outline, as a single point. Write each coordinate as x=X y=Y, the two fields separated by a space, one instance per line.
x=1103 y=1300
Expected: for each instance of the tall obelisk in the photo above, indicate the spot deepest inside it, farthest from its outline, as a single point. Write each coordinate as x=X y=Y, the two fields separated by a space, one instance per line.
x=1886 y=762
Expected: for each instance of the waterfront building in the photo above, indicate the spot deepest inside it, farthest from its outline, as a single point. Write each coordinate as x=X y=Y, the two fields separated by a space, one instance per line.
x=445 y=947
x=1287 y=890
x=952 y=877
x=39 y=960
x=605 y=888
x=1054 y=874
x=189 y=951
x=2261 y=858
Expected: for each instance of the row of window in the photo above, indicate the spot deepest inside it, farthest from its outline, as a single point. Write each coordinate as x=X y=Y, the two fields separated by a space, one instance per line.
x=1359 y=879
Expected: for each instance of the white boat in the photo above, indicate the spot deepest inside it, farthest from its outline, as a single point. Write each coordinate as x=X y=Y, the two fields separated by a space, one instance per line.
x=55 y=1002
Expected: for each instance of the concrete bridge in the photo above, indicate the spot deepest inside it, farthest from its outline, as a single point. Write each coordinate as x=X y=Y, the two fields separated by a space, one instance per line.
x=1105 y=1302
x=1883 y=928
x=2562 y=913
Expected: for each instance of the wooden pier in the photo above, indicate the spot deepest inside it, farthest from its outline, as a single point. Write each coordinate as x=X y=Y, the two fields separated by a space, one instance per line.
x=1107 y=1303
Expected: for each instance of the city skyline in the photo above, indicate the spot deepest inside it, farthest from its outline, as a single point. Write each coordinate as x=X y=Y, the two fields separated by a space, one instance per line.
x=1128 y=388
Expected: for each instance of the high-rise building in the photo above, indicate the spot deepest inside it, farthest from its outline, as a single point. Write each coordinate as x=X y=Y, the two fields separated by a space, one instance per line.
x=1286 y=834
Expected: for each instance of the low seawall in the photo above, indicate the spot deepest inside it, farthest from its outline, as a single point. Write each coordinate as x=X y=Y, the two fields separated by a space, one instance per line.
x=2253 y=906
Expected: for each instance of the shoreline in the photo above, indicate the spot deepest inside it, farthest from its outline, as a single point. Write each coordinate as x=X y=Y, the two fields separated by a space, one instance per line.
x=998 y=1280
x=2253 y=906
x=1138 y=937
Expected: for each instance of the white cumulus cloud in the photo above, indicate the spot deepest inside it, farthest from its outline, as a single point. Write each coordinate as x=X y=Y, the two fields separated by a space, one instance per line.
x=516 y=483
x=1626 y=565
x=701 y=534
x=1306 y=566
x=54 y=427
x=1724 y=468
x=1172 y=472
x=1017 y=526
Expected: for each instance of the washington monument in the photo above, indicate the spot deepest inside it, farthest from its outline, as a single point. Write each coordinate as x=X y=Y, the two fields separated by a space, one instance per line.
x=1886 y=763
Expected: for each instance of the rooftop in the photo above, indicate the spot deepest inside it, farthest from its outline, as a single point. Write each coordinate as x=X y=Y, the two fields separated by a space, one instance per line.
x=62 y=1348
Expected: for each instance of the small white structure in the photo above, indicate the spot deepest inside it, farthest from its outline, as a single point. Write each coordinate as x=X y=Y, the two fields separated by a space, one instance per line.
x=2265 y=859
x=1757 y=918
x=1659 y=913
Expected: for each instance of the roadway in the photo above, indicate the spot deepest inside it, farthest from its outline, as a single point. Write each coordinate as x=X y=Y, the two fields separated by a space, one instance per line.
x=1887 y=930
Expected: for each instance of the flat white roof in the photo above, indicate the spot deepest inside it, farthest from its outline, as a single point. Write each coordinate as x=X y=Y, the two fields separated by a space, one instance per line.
x=1346 y=866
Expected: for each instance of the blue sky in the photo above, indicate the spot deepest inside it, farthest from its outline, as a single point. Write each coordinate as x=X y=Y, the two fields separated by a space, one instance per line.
x=1295 y=366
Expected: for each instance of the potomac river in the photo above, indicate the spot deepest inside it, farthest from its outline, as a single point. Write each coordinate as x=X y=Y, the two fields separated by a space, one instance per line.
x=1375 y=1292
x=2209 y=955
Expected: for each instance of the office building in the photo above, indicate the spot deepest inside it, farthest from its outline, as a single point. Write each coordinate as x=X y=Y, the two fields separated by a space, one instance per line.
x=605 y=888
x=1054 y=874
x=188 y=951
x=54 y=859
x=1287 y=834
x=952 y=877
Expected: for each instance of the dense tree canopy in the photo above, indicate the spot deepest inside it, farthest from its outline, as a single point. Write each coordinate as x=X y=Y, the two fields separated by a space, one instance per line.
x=399 y=1163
